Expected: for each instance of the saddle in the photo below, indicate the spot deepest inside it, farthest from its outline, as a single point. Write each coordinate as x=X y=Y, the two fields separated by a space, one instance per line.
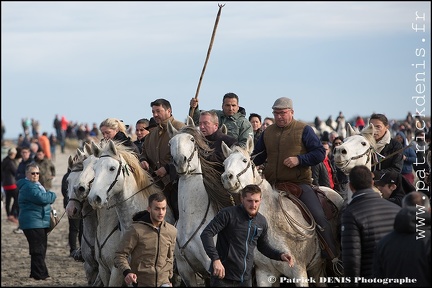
x=330 y=209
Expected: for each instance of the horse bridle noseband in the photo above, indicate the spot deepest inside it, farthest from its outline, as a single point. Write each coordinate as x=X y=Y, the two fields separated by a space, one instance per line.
x=189 y=159
x=124 y=169
x=251 y=165
x=367 y=153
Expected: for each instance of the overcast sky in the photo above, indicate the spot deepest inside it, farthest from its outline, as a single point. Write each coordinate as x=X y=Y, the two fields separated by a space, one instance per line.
x=92 y=60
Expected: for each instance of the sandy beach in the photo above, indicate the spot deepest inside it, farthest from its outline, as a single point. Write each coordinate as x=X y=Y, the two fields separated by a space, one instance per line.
x=15 y=258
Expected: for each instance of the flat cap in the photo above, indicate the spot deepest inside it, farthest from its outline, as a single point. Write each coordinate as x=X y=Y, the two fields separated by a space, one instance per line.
x=283 y=103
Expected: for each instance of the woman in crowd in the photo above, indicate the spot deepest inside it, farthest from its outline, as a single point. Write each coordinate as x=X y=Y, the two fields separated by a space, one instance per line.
x=34 y=218
x=115 y=130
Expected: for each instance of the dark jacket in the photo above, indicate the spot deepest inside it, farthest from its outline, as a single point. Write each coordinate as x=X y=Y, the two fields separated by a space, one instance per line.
x=215 y=142
x=238 y=235
x=64 y=188
x=410 y=154
x=406 y=251
x=126 y=141
x=139 y=144
x=320 y=176
x=394 y=163
x=365 y=220
x=8 y=171
x=21 y=170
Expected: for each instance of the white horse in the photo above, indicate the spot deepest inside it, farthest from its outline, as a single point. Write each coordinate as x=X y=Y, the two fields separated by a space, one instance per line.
x=107 y=230
x=121 y=183
x=198 y=203
x=356 y=149
x=288 y=230
x=80 y=208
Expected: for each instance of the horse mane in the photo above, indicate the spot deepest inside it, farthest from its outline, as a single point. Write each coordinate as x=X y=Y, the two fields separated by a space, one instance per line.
x=142 y=178
x=211 y=176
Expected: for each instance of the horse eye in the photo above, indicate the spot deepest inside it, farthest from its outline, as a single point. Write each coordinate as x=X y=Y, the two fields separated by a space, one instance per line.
x=192 y=139
x=244 y=161
x=363 y=143
x=112 y=168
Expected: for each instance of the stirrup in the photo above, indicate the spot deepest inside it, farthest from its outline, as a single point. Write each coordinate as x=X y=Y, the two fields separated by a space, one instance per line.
x=337 y=266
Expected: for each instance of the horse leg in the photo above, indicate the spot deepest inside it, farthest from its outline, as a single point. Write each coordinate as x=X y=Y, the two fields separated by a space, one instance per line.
x=317 y=270
x=186 y=273
x=91 y=266
x=117 y=278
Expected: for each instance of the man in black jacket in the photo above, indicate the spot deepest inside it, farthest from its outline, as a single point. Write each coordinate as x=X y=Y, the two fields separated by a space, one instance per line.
x=406 y=251
x=240 y=229
x=365 y=220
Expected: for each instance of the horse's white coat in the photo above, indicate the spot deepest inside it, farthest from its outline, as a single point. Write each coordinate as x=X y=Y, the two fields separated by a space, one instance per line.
x=357 y=149
x=81 y=208
x=303 y=245
x=116 y=168
x=194 y=212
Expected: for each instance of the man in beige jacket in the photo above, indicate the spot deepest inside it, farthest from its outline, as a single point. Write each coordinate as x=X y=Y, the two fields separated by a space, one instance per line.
x=149 y=243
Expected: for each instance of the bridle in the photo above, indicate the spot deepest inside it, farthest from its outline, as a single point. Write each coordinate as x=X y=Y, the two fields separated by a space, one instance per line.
x=189 y=159
x=366 y=153
x=251 y=165
x=125 y=170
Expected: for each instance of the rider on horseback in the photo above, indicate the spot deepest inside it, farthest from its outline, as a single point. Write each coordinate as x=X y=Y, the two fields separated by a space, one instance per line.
x=291 y=148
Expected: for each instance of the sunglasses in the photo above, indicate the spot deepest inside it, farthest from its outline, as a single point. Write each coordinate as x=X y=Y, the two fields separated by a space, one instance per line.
x=34 y=173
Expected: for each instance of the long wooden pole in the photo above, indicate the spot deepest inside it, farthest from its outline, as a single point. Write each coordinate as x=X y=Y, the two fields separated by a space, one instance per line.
x=208 y=56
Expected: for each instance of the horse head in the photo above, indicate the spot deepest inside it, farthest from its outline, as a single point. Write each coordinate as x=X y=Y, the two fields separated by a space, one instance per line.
x=118 y=175
x=239 y=168
x=107 y=170
x=356 y=149
x=183 y=147
x=87 y=175
x=75 y=165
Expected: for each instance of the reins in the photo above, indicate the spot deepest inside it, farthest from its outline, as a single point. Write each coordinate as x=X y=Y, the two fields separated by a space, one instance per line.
x=57 y=222
x=390 y=155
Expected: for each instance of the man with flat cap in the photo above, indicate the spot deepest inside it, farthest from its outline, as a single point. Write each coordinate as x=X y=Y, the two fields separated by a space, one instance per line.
x=291 y=147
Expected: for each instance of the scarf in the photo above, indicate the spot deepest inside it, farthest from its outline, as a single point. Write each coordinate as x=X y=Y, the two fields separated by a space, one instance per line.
x=384 y=141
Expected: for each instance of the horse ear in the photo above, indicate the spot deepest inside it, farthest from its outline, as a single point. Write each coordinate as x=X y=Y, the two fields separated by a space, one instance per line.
x=224 y=129
x=96 y=150
x=350 y=130
x=250 y=144
x=112 y=147
x=80 y=153
x=225 y=149
x=87 y=148
x=190 y=122
x=172 y=131
x=370 y=129
x=70 y=162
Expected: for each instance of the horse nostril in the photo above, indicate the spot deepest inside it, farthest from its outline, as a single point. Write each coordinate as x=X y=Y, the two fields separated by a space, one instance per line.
x=81 y=189
x=98 y=200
